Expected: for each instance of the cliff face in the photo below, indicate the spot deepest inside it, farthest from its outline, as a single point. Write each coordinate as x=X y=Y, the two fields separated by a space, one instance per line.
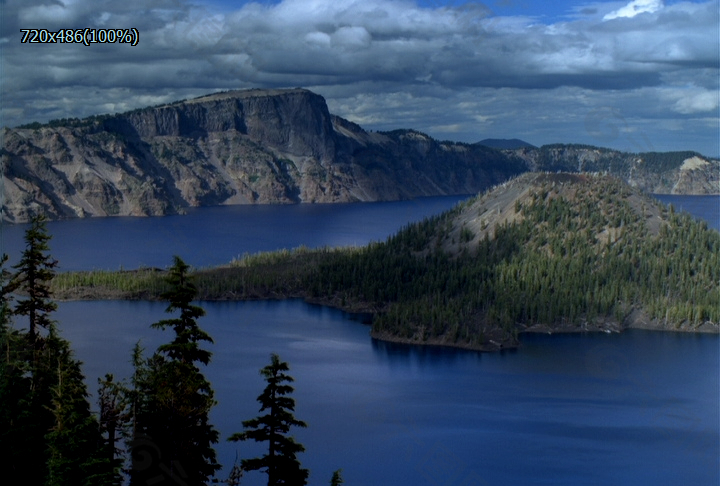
x=653 y=172
x=255 y=146
x=239 y=147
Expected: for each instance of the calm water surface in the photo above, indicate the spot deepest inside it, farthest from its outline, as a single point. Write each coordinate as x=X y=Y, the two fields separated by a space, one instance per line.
x=639 y=408
x=216 y=235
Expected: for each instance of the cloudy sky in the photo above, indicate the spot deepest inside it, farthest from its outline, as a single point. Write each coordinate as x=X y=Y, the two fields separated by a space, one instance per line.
x=636 y=75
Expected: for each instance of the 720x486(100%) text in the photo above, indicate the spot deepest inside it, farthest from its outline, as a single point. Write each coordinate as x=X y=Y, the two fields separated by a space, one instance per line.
x=81 y=36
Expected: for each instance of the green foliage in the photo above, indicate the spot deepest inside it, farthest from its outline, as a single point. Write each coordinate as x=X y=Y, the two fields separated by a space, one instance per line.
x=144 y=282
x=280 y=463
x=466 y=235
x=49 y=435
x=185 y=347
x=73 y=442
x=666 y=161
x=172 y=399
x=32 y=126
x=32 y=356
x=17 y=431
x=34 y=272
x=576 y=259
x=67 y=122
x=337 y=479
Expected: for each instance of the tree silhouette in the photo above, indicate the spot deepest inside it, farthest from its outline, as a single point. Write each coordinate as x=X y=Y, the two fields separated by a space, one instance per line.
x=280 y=463
x=172 y=399
x=37 y=356
x=337 y=479
x=75 y=456
x=114 y=400
x=34 y=272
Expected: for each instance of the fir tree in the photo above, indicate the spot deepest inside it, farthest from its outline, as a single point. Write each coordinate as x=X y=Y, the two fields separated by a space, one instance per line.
x=74 y=440
x=280 y=463
x=34 y=272
x=337 y=479
x=172 y=434
x=54 y=435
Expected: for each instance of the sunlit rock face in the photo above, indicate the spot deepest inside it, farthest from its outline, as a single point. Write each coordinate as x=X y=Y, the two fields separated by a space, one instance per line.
x=270 y=146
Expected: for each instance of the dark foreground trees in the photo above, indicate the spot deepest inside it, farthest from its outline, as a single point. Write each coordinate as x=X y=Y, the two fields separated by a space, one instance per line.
x=280 y=463
x=157 y=426
x=172 y=437
x=48 y=434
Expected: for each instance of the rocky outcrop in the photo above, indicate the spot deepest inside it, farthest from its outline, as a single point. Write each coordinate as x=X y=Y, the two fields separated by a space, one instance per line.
x=268 y=146
x=686 y=173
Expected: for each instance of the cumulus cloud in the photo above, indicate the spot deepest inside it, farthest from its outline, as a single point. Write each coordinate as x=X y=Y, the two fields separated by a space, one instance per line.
x=366 y=56
x=691 y=99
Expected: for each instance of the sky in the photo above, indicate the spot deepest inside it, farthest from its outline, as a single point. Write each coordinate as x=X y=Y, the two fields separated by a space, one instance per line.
x=634 y=75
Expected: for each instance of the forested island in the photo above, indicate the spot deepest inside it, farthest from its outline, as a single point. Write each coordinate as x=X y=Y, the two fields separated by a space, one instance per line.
x=545 y=252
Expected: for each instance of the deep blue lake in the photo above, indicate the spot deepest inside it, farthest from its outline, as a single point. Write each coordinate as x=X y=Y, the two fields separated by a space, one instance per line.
x=639 y=408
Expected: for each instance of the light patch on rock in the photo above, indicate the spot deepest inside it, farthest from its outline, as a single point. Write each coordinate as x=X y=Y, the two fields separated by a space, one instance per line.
x=693 y=163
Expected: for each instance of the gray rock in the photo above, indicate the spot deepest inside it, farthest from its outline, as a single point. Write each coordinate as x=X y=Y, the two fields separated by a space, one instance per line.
x=260 y=146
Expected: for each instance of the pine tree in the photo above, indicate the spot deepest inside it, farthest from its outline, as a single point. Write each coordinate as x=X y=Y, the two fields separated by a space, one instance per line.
x=114 y=400
x=34 y=272
x=55 y=435
x=172 y=434
x=337 y=479
x=16 y=421
x=36 y=357
x=74 y=440
x=280 y=463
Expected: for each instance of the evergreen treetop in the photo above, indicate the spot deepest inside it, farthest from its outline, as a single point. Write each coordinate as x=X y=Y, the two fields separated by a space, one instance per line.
x=185 y=346
x=171 y=399
x=34 y=271
x=280 y=463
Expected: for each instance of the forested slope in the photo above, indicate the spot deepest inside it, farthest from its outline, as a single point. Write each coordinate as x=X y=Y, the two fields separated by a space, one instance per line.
x=544 y=252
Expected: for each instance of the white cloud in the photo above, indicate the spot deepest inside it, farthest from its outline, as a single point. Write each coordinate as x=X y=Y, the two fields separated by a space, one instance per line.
x=356 y=37
x=389 y=63
x=634 y=8
x=689 y=100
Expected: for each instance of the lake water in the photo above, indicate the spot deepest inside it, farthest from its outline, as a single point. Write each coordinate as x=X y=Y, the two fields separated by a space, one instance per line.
x=638 y=408
x=216 y=235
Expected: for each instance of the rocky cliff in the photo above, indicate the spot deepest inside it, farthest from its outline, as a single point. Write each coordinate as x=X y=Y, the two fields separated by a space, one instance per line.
x=238 y=147
x=266 y=146
x=687 y=173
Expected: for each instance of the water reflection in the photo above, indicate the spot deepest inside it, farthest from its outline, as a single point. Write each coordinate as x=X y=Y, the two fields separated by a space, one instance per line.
x=401 y=354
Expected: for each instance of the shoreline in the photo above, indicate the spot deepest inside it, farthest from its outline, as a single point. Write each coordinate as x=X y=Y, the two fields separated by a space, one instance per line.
x=497 y=340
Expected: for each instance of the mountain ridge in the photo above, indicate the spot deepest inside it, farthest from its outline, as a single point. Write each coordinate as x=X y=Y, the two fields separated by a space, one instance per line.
x=505 y=143
x=270 y=146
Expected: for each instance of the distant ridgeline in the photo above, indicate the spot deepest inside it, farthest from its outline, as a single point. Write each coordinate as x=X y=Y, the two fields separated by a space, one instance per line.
x=545 y=252
x=280 y=146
